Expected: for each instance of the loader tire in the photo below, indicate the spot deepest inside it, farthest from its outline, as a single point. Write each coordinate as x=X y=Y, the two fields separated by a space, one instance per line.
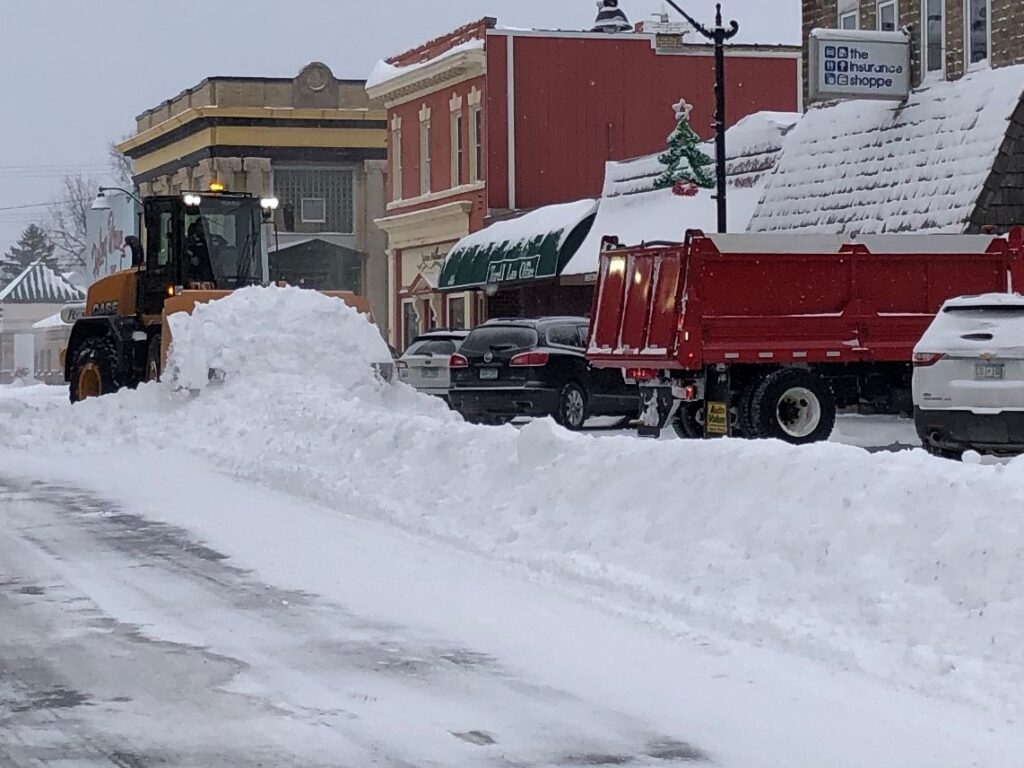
x=793 y=405
x=95 y=370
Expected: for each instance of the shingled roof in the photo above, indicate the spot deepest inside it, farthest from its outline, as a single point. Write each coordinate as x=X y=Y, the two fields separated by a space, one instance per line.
x=632 y=210
x=39 y=284
x=872 y=167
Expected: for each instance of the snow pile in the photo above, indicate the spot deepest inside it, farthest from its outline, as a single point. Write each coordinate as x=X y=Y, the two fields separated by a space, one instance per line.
x=310 y=334
x=903 y=565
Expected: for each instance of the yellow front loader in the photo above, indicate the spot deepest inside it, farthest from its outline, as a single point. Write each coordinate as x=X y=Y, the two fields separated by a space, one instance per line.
x=199 y=248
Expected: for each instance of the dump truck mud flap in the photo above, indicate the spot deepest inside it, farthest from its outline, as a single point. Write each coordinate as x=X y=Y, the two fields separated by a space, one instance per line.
x=656 y=407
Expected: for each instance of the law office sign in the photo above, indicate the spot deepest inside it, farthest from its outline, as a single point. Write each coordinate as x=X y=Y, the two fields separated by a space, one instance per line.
x=856 y=64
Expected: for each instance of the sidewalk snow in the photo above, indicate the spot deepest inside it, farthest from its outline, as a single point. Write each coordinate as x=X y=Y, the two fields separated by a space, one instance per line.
x=900 y=565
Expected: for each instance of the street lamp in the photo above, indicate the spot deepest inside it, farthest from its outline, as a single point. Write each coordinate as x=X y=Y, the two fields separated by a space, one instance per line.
x=101 y=203
x=719 y=35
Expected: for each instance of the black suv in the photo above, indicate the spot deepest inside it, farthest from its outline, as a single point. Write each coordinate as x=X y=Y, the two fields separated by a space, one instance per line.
x=509 y=368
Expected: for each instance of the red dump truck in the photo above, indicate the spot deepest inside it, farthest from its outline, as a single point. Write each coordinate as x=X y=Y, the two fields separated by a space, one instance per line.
x=768 y=335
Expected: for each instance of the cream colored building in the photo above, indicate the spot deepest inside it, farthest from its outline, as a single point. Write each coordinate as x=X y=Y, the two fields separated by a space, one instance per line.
x=316 y=142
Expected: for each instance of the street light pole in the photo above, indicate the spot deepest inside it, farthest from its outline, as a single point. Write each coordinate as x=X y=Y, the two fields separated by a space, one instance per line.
x=719 y=35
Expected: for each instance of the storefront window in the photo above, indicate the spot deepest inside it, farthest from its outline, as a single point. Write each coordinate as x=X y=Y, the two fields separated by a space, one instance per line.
x=457 y=313
x=410 y=323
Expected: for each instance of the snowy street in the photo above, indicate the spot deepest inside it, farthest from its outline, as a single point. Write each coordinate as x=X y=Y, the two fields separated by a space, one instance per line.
x=301 y=565
x=131 y=642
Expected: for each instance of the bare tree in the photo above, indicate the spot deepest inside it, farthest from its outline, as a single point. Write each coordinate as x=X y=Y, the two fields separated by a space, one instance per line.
x=120 y=167
x=67 y=219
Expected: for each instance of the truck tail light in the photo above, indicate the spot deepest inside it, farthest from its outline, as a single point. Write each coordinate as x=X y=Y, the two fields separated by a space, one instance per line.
x=458 y=361
x=925 y=359
x=529 y=360
x=641 y=374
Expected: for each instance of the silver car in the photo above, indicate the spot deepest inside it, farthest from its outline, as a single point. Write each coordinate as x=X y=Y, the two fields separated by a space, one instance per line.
x=424 y=365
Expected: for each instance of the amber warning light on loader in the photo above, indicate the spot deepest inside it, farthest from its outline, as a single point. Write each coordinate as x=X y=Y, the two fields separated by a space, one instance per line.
x=216 y=186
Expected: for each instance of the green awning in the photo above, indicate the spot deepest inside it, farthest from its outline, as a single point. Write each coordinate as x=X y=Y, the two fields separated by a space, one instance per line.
x=531 y=247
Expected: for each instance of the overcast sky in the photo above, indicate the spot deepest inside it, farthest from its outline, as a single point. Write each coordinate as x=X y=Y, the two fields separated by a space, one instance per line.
x=76 y=72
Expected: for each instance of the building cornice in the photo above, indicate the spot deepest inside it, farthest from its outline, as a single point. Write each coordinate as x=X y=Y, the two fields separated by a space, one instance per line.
x=261 y=115
x=431 y=197
x=440 y=224
x=430 y=77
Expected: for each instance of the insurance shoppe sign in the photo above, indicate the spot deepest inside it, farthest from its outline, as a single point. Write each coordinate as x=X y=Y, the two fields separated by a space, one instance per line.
x=852 y=64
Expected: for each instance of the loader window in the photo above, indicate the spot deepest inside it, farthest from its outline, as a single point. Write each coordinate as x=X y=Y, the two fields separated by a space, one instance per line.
x=222 y=243
x=163 y=253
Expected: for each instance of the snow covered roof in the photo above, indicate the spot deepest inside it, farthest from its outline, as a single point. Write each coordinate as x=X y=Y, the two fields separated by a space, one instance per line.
x=633 y=211
x=383 y=71
x=874 y=167
x=535 y=245
x=53 y=321
x=38 y=284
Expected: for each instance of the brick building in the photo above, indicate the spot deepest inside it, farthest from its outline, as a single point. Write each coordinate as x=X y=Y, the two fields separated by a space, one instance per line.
x=486 y=123
x=315 y=141
x=949 y=37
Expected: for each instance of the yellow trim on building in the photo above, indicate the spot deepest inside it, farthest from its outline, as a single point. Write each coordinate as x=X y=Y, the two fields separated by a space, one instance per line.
x=254 y=113
x=262 y=137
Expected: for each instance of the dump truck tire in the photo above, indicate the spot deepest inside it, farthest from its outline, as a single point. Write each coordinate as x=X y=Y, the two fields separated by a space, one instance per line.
x=794 y=405
x=94 y=372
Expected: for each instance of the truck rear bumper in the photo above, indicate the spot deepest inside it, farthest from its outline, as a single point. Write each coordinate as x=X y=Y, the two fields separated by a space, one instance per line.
x=963 y=430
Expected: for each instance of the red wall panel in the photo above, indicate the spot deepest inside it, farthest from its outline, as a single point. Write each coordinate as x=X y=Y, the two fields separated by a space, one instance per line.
x=581 y=101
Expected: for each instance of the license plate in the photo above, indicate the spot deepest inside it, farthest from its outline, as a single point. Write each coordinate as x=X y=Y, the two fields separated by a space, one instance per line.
x=430 y=373
x=988 y=371
x=488 y=374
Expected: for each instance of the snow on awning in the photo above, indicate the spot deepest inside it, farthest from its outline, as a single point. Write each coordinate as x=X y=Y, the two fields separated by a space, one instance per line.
x=535 y=246
x=38 y=284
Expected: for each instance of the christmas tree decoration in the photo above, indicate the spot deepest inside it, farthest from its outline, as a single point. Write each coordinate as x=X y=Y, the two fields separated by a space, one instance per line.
x=610 y=18
x=686 y=166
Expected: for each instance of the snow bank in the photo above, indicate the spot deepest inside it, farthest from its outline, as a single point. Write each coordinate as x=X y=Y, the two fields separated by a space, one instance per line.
x=902 y=565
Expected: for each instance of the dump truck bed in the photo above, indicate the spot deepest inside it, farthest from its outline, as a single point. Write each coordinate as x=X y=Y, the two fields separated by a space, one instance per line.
x=774 y=299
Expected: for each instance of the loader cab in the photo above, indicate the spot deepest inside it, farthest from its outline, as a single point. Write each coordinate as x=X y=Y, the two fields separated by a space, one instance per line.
x=200 y=241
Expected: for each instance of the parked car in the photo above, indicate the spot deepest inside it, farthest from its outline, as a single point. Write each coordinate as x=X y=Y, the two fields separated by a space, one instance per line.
x=425 y=363
x=508 y=368
x=969 y=377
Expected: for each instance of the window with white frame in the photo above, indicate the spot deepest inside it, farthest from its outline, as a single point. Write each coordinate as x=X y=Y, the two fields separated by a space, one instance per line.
x=396 y=158
x=978 y=20
x=458 y=152
x=849 y=13
x=934 y=35
x=476 y=135
x=313 y=210
x=888 y=16
x=425 y=150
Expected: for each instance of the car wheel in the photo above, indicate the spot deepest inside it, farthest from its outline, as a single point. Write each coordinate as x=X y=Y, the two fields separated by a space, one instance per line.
x=572 y=406
x=689 y=421
x=793 y=405
x=94 y=372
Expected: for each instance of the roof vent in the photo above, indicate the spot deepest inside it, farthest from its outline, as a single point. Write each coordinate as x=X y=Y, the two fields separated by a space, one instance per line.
x=610 y=18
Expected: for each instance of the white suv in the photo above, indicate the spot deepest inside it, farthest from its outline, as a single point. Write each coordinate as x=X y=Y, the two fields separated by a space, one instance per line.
x=969 y=377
